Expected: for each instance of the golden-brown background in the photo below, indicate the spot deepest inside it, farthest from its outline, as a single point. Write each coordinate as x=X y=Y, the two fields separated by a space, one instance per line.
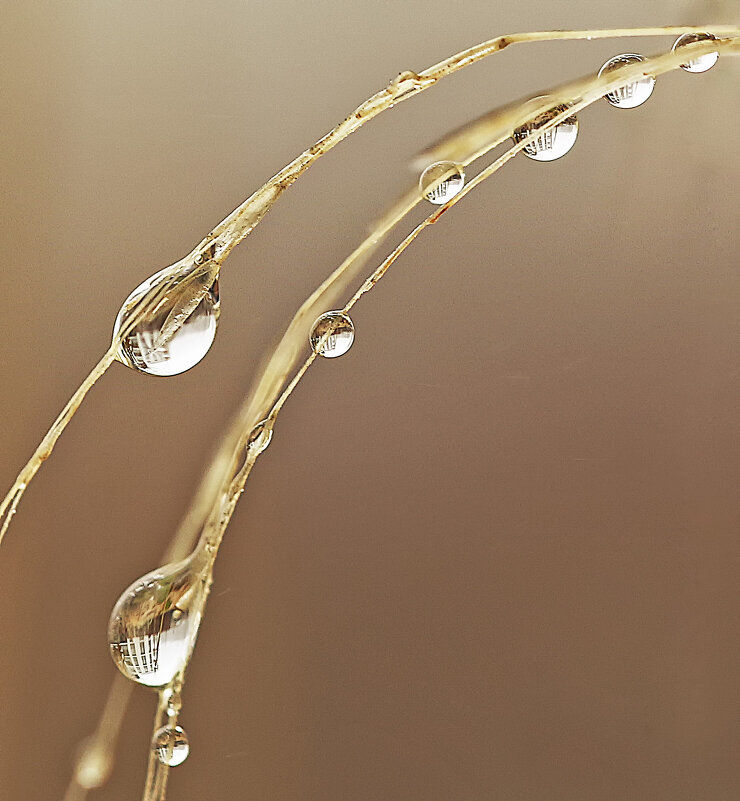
x=492 y=553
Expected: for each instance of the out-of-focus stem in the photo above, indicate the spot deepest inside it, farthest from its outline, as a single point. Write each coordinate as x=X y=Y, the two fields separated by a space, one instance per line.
x=95 y=760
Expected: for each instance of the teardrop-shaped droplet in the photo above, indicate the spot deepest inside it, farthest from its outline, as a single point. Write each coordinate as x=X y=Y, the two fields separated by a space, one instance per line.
x=701 y=63
x=171 y=745
x=260 y=437
x=154 y=624
x=163 y=345
x=632 y=94
x=553 y=143
x=332 y=334
x=441 y=181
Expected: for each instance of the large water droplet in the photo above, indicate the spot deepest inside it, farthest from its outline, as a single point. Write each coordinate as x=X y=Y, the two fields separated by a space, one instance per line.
x=154 y=624
x=632 y=94
x=555 y=142
x=157 y=347
x=171 y=745
x=332 y=334
x=441 y=181
x=702 y=63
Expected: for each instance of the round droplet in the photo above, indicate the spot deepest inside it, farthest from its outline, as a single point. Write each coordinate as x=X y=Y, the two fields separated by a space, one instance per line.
x=553 y=143
x=260 y=437
x=171 y=745
x=441 y=181
x=154 y=624
x=633 y=94
x=701 y=63
x=165 y=344
x=332 y=334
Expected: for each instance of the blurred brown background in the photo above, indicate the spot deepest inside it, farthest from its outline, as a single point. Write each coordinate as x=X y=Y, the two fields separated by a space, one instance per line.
x=492 y=553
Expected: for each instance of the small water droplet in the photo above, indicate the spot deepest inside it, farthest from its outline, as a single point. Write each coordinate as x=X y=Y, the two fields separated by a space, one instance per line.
x=171 y=745
x=148 y=350
x=555 y=142
x=174 y=702
x=154 y=624
x=332 y=334
x=631 y=95
x=702 y=63
x=260 y=437
x=441 y=181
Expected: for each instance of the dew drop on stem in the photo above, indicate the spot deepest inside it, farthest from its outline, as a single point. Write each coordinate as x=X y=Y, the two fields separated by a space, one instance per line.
x=633 y=94
x=332 y=334
x=553 y=143
x=171 y=745
x=442 y=181
x=700 y=63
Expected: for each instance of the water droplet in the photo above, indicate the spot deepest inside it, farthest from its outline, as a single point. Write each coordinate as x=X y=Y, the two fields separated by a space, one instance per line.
x=154 y=624
x=173 y=700
x=260 y=437
x=631 y=95
x=332 y=334
x=150 y=349
x=441 y=181
x=702 y=63
x=171 y=745
x=554 y=143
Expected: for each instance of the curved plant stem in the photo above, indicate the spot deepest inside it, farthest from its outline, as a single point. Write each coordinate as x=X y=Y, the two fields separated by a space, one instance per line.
x=155 y=786
x=10 y=503
x=214 y=249
x=222 y=485
x=579 y=95
x=266 y=400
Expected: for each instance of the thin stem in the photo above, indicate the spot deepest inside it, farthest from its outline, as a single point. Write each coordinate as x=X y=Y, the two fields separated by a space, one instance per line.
x=243 y=219
x=265 y=401
x=157 y=772
x=583 y=94
x=220 y=490
x=10 y=503
x=215 y=247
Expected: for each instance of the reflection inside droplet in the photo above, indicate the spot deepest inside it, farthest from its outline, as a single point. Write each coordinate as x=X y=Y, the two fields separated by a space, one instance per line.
x=147 y=349
x=154 y=624
x=171 y=745
x=442 y=181
x=700 y=63
x=553 y=143
x=332 y=334
x=633 y=94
